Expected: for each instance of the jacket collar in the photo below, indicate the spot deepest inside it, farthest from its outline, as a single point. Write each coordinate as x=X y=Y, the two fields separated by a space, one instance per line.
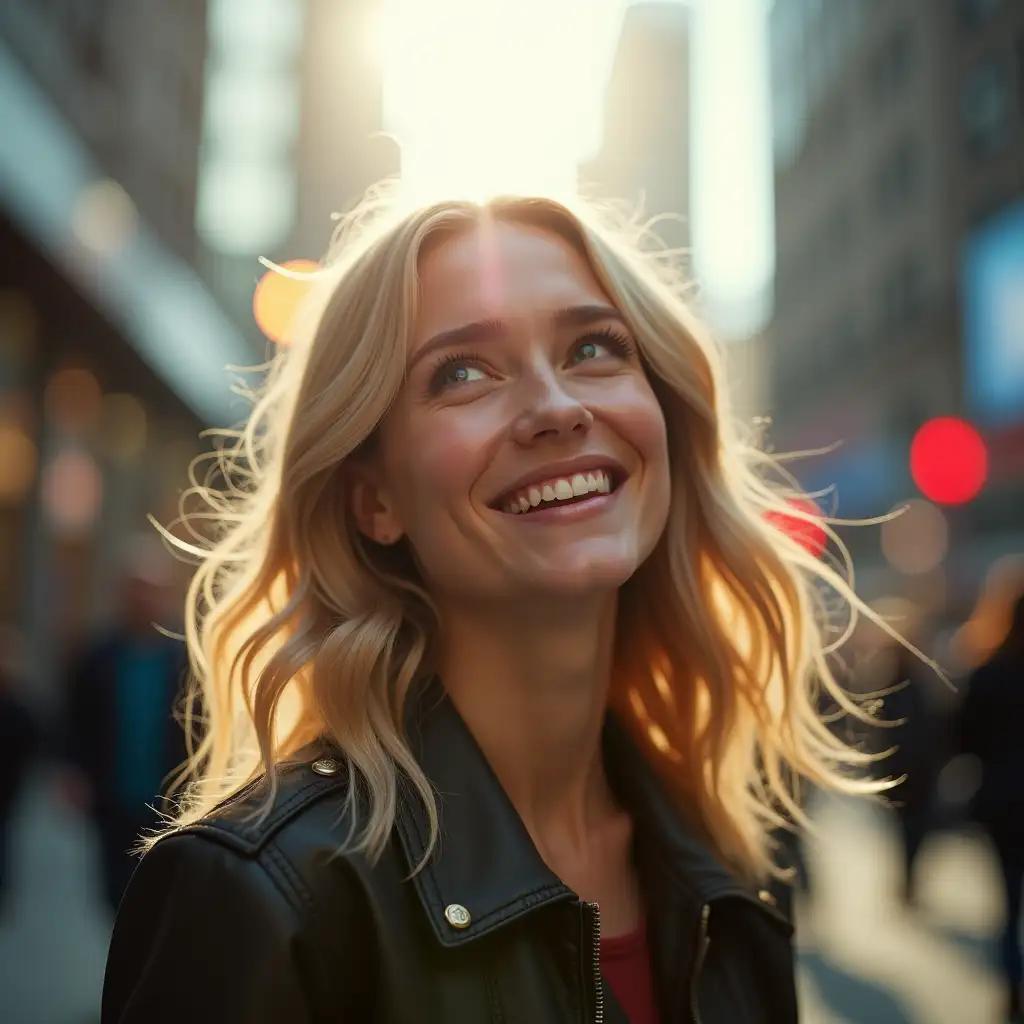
x=485 y=860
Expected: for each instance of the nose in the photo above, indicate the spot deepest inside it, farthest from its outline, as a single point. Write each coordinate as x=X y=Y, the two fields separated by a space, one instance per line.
x=552 y=414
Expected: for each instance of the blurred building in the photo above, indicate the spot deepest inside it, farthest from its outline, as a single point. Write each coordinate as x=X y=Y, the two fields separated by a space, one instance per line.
x=898 y=130
x=150 y=154
x=342 y=148
x=99 y=407
x=644 y=158
x=291 y=132
x=127 y=75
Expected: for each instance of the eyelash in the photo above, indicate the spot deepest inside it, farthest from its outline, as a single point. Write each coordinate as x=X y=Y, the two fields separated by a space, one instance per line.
x=615 y=340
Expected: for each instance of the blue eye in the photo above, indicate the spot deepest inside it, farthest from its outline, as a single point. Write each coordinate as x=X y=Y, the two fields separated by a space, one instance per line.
x=598 y=344
x=460 y=375
x=453 y=371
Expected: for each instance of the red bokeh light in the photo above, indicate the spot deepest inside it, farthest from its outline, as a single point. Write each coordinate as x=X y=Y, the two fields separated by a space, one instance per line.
x=811 y=536
x=948 y=461
x=278 y=297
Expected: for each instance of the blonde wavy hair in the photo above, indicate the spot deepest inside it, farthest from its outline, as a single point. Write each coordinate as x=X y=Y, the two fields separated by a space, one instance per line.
x=296 y=628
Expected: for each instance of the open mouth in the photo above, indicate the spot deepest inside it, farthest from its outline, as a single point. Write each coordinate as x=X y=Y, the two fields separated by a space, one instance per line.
x=558 y=491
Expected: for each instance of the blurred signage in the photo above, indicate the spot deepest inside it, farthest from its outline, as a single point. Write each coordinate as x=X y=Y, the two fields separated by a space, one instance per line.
x=861 y=480
x=992 y=281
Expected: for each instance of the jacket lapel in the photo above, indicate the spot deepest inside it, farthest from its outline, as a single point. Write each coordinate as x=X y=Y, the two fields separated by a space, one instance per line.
x=484 y=860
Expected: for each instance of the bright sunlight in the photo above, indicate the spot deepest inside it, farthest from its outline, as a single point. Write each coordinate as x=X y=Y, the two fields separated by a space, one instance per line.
x=488 y=96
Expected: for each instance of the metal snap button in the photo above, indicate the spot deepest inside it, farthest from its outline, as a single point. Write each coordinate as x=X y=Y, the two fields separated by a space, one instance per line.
x=326 y=766
x=457 y=915
x=766 y=897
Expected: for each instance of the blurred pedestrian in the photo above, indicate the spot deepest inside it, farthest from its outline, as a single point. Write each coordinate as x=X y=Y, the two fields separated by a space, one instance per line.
x=991 y=728
x=914 y=739
x=19 y=736
x=122 y=736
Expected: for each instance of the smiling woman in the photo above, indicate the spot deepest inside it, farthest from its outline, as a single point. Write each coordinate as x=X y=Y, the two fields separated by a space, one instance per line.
x=505 y=673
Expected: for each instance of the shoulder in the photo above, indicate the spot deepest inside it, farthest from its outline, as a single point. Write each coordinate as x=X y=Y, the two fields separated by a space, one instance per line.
x=248 y=891
x=292 y=835
x=309 y=796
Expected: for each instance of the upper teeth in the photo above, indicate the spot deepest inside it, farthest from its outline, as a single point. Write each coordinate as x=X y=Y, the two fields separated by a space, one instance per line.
x=559 y=489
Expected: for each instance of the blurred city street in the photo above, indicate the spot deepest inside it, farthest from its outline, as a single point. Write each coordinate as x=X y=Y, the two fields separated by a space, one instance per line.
x=864 y=960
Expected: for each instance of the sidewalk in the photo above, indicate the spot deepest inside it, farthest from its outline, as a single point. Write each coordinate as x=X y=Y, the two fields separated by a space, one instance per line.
x=53 y=939
x=865 y=960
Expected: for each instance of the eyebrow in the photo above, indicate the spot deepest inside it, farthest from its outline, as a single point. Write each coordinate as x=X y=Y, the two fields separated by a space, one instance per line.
x=484 y=330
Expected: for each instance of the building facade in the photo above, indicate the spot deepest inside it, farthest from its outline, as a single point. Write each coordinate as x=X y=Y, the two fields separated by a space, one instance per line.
x=896 y=126
x=644 y=160
x=102 y=110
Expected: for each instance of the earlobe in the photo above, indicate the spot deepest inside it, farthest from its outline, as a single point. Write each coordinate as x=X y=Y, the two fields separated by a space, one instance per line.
x=373 y=513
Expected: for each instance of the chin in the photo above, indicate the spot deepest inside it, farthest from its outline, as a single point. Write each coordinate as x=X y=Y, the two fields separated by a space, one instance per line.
x=582 y=576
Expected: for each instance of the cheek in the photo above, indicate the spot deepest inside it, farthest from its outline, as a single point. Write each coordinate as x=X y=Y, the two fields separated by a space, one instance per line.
x=441 y=460
x=640 y=421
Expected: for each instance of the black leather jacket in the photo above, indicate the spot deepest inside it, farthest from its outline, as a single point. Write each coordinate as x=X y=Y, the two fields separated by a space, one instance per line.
x=235 y=920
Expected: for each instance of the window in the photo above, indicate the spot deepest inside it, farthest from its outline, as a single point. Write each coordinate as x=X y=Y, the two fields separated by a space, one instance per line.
x=902 y=294
x=784 y=282
x=833 y=126
x=847 y=334
x=975 y=12
x=88 y=26
x=789 y=118
x=898 y=177
x=840 y=231
x=985 y=108
x=890 y=71
x=1020 y=71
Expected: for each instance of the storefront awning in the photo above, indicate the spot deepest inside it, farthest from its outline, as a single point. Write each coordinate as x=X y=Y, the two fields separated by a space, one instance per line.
x=156 y=298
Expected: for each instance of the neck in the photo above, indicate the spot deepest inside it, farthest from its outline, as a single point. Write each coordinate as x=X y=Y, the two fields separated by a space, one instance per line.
x=533 y=690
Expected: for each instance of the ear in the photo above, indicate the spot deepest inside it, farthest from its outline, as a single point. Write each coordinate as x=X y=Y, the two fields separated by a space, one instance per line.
x=373 y=511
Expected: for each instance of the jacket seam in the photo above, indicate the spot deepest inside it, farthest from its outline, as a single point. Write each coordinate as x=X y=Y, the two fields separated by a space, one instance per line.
x=300 y=898
x=497 y=1013
x=279 y=816
x=254 y=838
x=287 y=880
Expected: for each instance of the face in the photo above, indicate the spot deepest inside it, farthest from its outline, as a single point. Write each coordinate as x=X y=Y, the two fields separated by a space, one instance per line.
x=526 y=455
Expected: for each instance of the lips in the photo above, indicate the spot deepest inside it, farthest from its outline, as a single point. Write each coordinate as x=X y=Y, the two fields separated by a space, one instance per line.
x=580 y=480
x=558 y=490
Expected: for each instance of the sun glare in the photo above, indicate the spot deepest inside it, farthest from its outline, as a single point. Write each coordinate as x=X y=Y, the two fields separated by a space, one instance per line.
x=486 y=97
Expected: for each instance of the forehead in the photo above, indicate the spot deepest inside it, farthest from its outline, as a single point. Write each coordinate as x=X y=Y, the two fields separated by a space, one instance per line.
x=502 y=271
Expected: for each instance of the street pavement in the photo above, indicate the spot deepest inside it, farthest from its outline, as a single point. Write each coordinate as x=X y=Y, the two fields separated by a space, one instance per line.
x=863 y=960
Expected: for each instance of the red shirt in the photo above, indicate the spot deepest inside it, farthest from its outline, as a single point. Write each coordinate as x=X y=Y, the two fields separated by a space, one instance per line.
x=626 y=966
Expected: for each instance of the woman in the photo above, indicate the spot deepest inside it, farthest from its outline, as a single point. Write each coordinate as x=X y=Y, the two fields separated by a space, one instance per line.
x=501 y=666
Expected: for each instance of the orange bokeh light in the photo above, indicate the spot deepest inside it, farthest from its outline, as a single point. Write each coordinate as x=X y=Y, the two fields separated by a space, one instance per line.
x=277 y=299
x=72 y=492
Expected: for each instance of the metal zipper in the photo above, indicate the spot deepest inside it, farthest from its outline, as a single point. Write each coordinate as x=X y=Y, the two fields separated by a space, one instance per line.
x=595 y=950
x=703 y=941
